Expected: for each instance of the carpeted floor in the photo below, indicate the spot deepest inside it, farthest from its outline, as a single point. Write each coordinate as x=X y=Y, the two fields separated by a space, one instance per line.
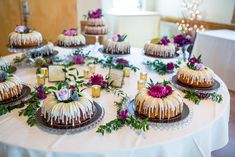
x=229 y=149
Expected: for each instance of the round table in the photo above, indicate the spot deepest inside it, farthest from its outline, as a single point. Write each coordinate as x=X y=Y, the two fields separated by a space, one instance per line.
x=206 y=131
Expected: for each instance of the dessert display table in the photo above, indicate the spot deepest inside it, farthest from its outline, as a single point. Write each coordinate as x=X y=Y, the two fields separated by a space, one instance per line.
x=218 y=50
x=207 y=130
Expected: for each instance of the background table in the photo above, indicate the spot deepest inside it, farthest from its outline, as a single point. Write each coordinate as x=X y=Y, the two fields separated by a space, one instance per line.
x=207 y=131
x=218 y=50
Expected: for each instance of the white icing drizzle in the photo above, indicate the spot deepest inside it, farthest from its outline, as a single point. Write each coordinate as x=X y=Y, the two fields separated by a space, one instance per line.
x=205 y=75
x=71 y=40
x=4 y=64
x=67 y=112
x=159 y=50
x=96 y=30
x=12 y=86
x=113 y=47
x=96 y=22
x=25 y=38
x=172 y=104
x=44 y=50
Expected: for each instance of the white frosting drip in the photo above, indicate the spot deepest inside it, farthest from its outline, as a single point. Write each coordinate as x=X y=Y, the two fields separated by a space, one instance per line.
x=96 y=22
x=67 y=112
x=44 y=50
x=71 y=40
x=170 y=104
x=96 y=30
x=113 y=47
x=4 y=64
x=206 y=75
x=11 y=86
x=21 y=39
x=159 y=50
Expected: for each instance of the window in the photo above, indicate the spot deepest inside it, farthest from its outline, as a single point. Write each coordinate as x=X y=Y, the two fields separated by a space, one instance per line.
x=126 y=5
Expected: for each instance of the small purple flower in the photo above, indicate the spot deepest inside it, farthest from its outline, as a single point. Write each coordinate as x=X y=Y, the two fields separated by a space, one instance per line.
x=199 y=66
x=73 y=87
x=70 y=32
x=202 y=95
x=122 y=61
x=165 y=41
x=170 y=66
x=78 y=59
x=115 y=38
x=182 y=40
x=104 y=84
x=75 y=97
x=123 y=114
x=41 y=93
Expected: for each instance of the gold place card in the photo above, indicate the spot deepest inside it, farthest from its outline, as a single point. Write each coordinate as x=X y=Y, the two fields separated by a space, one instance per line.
x=116 y=77
x=56 y=73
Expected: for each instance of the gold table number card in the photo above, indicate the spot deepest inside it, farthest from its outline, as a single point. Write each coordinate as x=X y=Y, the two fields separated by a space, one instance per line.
x=56 y=73
x=116 y=77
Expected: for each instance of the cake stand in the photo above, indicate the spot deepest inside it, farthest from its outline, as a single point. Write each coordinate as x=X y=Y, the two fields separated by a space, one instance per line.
x=96 y=36
x=28 y=51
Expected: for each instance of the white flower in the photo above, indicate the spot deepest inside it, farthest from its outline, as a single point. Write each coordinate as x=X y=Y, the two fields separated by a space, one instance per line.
x=20 y=29
x=63 y=94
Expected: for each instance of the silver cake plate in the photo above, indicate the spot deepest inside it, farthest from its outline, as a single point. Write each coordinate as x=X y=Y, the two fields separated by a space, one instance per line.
x=176 y=55
x=181 y=122
x=101 y=50
x=177 y=118
x=20 y=99
x=25 y=49
x=69 y=129
x=184 y=87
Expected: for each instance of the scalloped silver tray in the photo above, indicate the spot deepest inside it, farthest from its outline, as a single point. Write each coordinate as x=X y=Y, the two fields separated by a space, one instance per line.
x=69 y=129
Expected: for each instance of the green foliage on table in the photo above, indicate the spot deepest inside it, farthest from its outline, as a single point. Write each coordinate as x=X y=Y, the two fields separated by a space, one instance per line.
x=196 y=97
x=33 y=105
x=85 y=55
x=19 y=59
x=110 y=62
x=118 y=123
x=160 y=67
x=5 y=109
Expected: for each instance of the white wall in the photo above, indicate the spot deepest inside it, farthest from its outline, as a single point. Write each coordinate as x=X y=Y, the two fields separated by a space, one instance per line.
x=83 y=6
x=220 y=11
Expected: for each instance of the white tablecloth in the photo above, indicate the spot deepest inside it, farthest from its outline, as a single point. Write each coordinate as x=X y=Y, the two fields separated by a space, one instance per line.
x=218 y=50
x=207 y=131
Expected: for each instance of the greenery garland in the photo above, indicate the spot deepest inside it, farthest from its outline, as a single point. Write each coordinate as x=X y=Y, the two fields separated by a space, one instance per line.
x=123 y=118
x=110 y=62
x=196 y=97
x=161 y=67
x=5 y=109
